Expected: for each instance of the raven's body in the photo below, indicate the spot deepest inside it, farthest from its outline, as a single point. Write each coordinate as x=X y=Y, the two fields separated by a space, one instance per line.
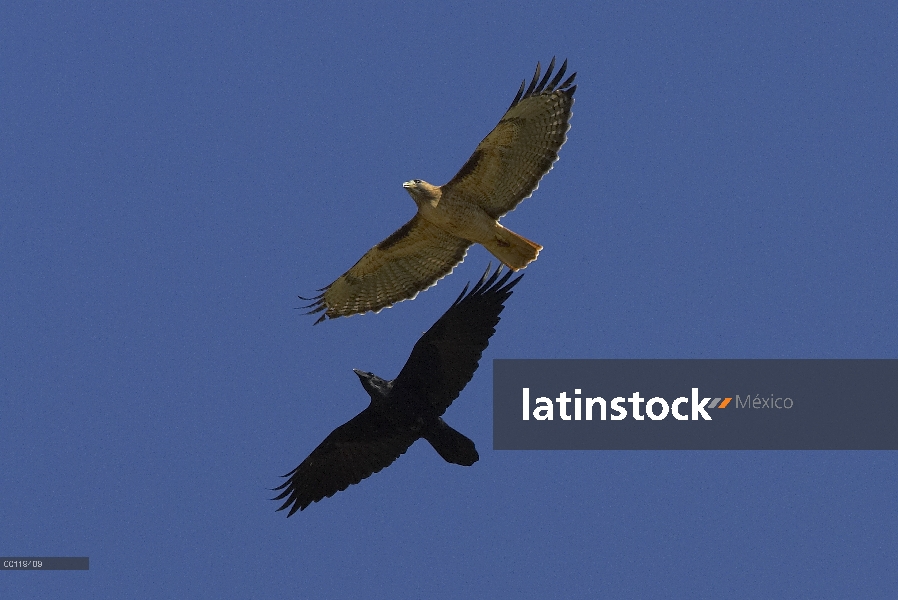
x=389 y=411
x=409 y=407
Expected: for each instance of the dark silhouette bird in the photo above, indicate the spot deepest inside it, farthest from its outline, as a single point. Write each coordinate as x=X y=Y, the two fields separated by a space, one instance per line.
x=409 y=407
x=505 y=168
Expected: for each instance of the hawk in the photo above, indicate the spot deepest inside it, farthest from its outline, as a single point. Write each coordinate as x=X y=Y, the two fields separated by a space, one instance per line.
x=505 y=168
x=409 y=407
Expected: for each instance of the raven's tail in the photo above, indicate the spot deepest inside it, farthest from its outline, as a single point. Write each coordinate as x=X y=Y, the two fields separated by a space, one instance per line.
x=451 y=445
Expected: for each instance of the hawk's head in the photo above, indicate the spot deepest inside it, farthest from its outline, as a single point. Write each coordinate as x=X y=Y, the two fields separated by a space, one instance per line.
x=421 y=191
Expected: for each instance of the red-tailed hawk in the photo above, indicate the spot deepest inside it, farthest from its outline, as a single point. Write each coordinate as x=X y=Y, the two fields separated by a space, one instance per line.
x=505 y=168
x=409 y=407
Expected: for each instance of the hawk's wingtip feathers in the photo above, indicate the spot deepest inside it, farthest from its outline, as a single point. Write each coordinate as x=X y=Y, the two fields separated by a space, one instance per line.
x=545 y=86
x=317 y=306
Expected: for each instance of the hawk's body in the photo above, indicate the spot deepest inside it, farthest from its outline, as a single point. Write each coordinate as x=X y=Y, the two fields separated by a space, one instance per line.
x=505 y=168
x=409 y=407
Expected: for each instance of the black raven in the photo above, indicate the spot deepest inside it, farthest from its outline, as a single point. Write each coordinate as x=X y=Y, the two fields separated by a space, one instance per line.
x=409 y=407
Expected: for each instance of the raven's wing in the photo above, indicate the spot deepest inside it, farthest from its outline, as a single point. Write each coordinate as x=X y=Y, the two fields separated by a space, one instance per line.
x=507 y=165
x=353 y=451
x=443 y=361
x=411 y=260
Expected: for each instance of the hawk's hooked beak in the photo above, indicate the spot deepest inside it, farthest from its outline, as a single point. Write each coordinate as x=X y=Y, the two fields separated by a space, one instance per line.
x=408 y=184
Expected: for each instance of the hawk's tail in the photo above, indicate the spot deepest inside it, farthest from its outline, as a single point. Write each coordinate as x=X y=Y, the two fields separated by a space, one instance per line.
x=515 y=251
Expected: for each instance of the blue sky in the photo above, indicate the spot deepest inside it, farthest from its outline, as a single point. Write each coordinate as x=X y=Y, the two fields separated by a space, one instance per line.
x=174 y=176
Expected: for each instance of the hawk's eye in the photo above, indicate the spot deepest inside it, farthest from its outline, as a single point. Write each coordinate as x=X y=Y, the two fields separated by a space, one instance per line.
x=417 y=181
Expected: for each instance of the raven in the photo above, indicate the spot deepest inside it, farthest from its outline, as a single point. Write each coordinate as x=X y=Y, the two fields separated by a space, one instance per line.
x=409 y=407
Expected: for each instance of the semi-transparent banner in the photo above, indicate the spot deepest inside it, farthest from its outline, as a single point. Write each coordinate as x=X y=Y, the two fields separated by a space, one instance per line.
x=671 y=404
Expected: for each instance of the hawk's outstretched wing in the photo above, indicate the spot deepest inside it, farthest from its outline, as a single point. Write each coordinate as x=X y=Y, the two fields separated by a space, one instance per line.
x=507 y=165
x=411 y=260
x=444 y=360
x=353 y=451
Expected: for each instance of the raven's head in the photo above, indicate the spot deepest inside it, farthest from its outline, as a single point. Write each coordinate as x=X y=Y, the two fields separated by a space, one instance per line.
x=376 y=387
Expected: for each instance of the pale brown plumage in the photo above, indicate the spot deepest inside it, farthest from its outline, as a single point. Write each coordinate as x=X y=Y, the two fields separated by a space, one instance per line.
x=505 y=168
